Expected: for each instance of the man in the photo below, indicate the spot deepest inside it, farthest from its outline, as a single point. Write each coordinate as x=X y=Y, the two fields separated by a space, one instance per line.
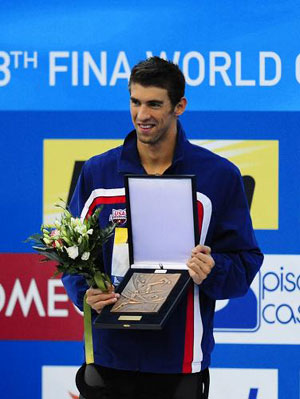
x=173 y=362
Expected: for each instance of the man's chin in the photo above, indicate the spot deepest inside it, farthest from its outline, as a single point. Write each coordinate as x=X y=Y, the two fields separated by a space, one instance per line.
x=145 y=138
x=147 y=141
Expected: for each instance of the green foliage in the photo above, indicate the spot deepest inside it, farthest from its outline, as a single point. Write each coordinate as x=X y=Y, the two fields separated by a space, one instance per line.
x=75 y=245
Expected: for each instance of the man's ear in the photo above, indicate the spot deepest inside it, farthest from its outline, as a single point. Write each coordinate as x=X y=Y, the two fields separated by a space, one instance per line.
x=180 y=107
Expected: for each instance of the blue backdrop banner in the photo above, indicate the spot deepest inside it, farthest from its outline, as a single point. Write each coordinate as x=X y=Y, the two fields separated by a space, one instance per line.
x=64 y=69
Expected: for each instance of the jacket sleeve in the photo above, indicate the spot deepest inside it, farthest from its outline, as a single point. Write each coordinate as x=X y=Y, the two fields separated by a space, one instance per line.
x=76 y=285
x=234 y=247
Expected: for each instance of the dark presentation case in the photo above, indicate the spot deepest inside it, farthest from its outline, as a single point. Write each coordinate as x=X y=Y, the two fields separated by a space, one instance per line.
x=162 y=230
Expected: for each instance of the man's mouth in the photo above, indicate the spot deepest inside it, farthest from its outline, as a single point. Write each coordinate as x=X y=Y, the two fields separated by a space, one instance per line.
x=145 y=127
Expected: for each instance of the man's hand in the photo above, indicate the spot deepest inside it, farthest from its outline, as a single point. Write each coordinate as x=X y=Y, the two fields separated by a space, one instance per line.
x=98 y=300
x=200 y=263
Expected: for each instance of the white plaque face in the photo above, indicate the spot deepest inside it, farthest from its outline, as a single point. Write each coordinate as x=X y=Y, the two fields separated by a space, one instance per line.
x=162 y=219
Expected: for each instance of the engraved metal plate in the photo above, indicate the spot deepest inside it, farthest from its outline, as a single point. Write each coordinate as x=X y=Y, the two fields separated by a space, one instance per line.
x=130 y=318
x=145 y=292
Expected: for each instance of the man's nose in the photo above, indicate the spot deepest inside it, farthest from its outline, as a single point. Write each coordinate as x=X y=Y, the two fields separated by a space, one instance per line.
x=143 y=113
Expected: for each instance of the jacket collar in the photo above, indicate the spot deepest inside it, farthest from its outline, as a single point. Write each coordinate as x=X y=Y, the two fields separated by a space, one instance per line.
x=130 y=160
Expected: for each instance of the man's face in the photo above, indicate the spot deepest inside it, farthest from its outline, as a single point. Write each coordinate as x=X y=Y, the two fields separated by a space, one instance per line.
x=152 y=113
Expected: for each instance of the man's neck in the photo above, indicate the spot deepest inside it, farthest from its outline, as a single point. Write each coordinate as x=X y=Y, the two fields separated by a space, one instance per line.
x=157 y=158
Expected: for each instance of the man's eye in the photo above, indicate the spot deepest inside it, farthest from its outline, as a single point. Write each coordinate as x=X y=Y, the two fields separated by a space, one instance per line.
x=155 y=105
x=134 y=102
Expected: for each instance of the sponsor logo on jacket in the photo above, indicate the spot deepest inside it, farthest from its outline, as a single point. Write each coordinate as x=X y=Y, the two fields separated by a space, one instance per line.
x=118 y=216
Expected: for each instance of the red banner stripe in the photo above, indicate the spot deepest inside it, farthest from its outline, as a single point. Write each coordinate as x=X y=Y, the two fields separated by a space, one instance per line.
x=33 y=304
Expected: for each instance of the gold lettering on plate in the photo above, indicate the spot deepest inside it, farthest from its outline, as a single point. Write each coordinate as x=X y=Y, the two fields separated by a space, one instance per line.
x=145 y=292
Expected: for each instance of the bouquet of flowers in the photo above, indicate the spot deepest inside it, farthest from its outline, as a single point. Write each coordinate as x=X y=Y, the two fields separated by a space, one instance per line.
x=75 y=245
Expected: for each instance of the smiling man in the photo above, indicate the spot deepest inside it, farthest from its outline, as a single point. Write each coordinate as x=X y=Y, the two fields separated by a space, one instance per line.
x=154 y=113
x=171 y=363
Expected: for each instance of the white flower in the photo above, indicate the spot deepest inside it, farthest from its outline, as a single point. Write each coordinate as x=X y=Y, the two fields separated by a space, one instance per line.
x=80 y=229
x=72 y=251
x=85 y=256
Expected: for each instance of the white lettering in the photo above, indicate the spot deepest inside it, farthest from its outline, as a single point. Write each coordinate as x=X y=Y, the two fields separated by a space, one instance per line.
x=117 y=74
x=263 y=55
x=4 y=68
x=16 y=55
x=201 y=68
x=33 y=59
x=53 y=298
x=2 y=297
x=53 y=68
x=213 y=56
x=74 y=68
x=25 y=301
x=89 y=63
x=298 y=68
x=238 y=72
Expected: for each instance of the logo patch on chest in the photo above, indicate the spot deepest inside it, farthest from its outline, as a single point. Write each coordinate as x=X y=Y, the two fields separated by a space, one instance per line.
x=118 y=216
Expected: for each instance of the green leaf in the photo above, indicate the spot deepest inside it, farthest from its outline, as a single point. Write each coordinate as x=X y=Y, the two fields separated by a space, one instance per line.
x=39 y=248
x=50 y=255
x=34 y=237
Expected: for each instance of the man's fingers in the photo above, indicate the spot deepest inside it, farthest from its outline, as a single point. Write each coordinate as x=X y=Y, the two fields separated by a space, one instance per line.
x=203 y=259
x=201 y=272
x=98 y=306
x=95 y=291
x=201 y=249
x=197 y=265
x=195 y=276
x=200 y=264
x=98 y=299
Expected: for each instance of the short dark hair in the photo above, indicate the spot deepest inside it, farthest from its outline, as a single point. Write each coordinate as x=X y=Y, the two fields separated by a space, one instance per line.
x=156 y=71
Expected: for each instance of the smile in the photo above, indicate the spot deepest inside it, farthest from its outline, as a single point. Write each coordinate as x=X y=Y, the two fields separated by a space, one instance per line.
x=145 y=126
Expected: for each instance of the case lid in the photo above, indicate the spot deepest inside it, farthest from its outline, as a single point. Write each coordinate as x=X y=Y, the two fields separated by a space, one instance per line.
x=162 y=220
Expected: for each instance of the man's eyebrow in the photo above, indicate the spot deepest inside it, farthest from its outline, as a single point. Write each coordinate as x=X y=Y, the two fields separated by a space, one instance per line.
x=155 y=101
x=149 y=101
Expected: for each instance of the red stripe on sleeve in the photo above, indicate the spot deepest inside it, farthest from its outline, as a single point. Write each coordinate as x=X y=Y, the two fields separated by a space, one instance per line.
x=106 y=200
x=200 y=216
x=189 y=332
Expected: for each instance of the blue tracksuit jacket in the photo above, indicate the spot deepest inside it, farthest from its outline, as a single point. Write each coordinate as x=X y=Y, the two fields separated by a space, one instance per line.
x=186 y=341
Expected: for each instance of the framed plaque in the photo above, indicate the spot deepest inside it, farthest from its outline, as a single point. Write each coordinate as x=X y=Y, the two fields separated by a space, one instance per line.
x=162 y=230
